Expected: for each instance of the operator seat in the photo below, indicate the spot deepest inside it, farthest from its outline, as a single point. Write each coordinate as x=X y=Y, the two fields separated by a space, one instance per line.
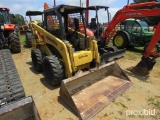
x=74 y=38
x=93 y=24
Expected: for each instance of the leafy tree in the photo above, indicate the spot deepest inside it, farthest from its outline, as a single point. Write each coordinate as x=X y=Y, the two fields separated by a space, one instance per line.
x=17 y=19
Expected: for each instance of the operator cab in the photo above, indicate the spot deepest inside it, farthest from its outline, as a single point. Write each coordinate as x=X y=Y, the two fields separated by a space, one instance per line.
x=4 y=16
x=65 y=22
x=94 y=24
x=35 y=14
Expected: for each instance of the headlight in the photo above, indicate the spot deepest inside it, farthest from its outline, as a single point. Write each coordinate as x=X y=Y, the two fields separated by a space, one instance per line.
x=62 y=9
x=2 y=27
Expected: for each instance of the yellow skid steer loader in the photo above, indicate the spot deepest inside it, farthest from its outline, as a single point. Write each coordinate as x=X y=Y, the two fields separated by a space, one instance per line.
x=67 y=56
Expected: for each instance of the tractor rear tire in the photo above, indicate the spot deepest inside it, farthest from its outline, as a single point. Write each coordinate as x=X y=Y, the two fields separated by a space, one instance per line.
x=37 y=59
x=120 y=40
x=1 y=43
x=53 y=69
x=14 y=42
x=155 y=49
x=29 y=38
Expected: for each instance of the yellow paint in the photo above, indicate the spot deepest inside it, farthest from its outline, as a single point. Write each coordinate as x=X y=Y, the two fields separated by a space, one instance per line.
x=73 y=61
x=119 y=40
x=56 y=43
x=82 y=57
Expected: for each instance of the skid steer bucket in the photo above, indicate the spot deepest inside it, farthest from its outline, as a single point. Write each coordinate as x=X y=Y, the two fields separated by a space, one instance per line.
x=88 y=93
x=24 y=109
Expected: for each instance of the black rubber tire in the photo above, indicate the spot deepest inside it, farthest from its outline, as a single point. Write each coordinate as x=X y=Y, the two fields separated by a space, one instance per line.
x=53 y=69
x=11 y=88
x=14 y=42
x=1 y=44
x=29 y=38
x=37 y=59
x=157 y=47
x=125 y=43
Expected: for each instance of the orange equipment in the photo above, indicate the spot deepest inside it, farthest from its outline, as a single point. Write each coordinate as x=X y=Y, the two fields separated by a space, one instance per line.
x=50 y=19
x=148 y=59
x=8 y=34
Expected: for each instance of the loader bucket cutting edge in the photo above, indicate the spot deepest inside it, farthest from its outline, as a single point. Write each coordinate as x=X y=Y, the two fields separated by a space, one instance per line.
x=88 y=93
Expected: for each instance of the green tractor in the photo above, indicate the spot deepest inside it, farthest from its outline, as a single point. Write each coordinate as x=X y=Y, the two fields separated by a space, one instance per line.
x=28 y=32
x=132 y=32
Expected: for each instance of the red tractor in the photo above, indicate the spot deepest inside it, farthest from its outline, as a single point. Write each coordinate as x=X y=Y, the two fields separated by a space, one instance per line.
x=131 y=11
x=8 y=36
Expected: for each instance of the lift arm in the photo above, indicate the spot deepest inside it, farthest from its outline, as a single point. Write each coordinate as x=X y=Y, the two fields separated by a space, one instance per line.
x=152 y=44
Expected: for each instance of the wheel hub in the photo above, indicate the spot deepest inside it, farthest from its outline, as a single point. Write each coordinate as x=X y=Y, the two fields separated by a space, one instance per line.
x=119 y=41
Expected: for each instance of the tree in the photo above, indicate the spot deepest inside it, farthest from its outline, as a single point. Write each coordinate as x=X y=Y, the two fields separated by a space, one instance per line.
x=17 y=19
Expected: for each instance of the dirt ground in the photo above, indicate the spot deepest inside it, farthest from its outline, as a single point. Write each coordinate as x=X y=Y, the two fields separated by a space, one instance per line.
x=144 y=94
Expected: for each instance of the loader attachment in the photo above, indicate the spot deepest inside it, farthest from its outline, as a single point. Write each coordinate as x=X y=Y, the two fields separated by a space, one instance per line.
x=143 y=67
x=88 y=93
x=23 y=109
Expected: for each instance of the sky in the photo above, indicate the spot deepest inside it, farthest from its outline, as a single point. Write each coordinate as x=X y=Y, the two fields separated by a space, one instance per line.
x=21 y=6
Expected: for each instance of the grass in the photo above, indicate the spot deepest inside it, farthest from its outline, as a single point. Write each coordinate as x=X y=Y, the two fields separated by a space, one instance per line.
x=158 y=61
x=157 y=104
x=22 y=39
x=129 y=99
x=120 y=112
x=152 y=101
x=131 y=56
x=140 y=48
x=123 y=105
x=116 y=103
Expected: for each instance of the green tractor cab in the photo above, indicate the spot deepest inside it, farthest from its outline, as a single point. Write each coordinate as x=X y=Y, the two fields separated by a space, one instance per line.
x=133 y=32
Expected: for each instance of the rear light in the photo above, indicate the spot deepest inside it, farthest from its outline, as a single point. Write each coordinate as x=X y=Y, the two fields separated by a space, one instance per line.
x=2 y=27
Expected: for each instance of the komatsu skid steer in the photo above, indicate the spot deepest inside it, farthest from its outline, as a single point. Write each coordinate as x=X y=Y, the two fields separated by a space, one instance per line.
x=72 y=58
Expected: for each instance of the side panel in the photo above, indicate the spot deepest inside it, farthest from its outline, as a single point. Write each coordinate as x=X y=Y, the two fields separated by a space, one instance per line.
x=82 y=57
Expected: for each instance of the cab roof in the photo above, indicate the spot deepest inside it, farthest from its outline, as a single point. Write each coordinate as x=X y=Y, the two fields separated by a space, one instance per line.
x=4 y=8
x=97 y=7
x=65 y=9
x=33 y=13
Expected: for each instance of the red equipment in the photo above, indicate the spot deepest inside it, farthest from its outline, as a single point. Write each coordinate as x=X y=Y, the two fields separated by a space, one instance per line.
x=136 y=11
x=130 y=11
x=8 y=36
